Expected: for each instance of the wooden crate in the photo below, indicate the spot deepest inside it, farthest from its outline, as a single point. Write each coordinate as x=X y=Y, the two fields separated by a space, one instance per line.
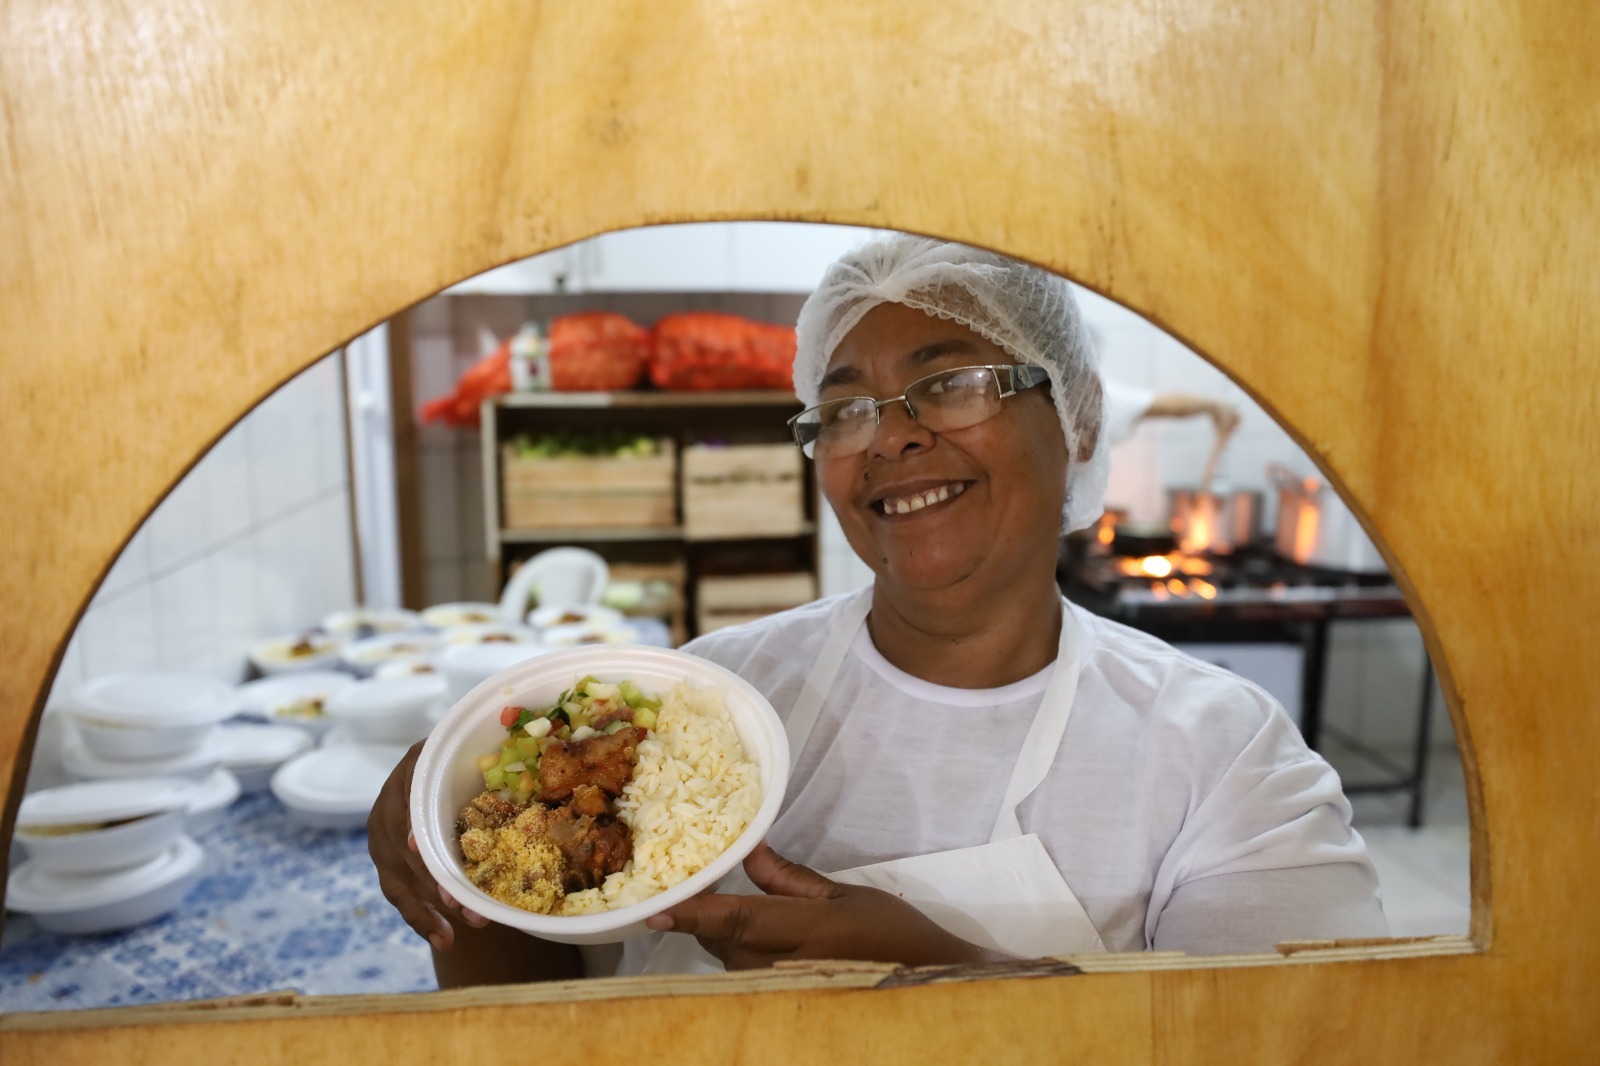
x=584 y=492
x=734 y=599
x=673 y=574
x=742 y=490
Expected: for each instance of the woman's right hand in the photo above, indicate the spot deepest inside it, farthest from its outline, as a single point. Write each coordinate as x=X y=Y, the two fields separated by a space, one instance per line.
x=406 y=883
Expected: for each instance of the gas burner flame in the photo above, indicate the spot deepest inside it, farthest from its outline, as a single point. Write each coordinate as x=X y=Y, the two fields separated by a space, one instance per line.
x=1164 y=566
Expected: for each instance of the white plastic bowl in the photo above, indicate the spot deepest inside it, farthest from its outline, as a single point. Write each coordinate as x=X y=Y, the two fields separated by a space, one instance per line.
x=103 y=903
x=405 y=668
x=446 y=776
x=152 y=811
x=465 y=666
x=271 y=698
x=589 y=614
x=111 y=740
x=215 y=795
x=365 y=656
x=348 y=625
x=393 y=710
x=587 y=634
x=490 y=633
x=450 y=615
x=84 y=765
x=149 y=714
x=335 y=787
x=252 y=752
x=273 y=656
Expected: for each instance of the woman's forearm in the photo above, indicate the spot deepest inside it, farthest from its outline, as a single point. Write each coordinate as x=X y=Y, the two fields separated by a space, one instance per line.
x=500 y=955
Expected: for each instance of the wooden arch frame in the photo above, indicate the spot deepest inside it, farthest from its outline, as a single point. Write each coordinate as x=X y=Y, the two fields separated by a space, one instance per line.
x=1379 y=217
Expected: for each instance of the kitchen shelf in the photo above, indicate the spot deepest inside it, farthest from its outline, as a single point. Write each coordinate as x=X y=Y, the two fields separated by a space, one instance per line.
x=719 y=398
x=619 y=535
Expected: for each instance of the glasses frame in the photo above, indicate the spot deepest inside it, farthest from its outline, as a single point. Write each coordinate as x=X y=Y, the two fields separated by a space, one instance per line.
x=1011 y=377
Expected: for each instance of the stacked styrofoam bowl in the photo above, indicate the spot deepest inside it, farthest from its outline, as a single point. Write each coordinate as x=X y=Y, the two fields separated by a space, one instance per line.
x=105 y=855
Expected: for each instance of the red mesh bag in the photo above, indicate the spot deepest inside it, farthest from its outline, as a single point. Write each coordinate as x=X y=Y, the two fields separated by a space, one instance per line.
x=489 y=376
x=696 y=350
x=597 y=351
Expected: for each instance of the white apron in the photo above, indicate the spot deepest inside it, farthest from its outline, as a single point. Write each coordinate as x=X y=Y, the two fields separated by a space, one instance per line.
x=1006 y=894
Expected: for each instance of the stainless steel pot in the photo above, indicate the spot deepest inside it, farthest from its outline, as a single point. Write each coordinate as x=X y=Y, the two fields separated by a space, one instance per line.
x=1315 y=528
x=1214 y=522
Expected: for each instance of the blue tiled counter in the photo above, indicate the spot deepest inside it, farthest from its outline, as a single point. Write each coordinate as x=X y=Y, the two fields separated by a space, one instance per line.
x=277 y=907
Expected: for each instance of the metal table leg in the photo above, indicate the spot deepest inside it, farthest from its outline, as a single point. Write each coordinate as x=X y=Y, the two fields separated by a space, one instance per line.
x=1419 y=764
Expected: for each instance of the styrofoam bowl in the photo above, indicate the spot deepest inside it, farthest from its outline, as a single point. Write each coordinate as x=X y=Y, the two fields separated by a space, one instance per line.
x=103 y=903
x=394 y=710
x=84 y=765
x=450 y=615
x=351 y=624
x=101 y=850
x=254 y=751
x=114 y=740
x=274 y=655
x=590 y=614
x=489 y=633
x=586 y=634
x=272 y=699
x=335 y=787
x=465 y=666
x=365 y=656
x=446 y=776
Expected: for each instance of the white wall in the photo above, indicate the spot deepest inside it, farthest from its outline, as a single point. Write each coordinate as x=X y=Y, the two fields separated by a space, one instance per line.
x=254 y=542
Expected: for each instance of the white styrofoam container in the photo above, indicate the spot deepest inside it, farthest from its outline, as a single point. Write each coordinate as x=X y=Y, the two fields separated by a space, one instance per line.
x=104 y=903
x=335 y=787
x=446 y=776
x=151 y=811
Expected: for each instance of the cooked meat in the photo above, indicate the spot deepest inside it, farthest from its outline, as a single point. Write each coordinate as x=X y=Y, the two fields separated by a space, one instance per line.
x=604 y=761
x=588 y=799
x=486 y=811
x=624 y=713
x=592 y=847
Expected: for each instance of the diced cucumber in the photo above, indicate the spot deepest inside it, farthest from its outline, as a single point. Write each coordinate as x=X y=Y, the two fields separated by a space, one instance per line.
x=488 y=762
x=583 y=733
x=644 y=718
x=516 y=767
x=630 y=694
x=528 y=746
x=600 y=691
x=494 y=779
x=615 y=727
x=509 y=757
x=583 y=686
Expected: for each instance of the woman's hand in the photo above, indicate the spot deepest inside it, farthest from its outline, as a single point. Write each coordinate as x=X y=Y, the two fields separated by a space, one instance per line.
x=806 y=916
x=405 y=881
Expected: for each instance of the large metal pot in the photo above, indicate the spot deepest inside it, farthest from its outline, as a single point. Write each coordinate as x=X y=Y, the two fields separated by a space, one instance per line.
x=1214 y=522
x=1315 y=528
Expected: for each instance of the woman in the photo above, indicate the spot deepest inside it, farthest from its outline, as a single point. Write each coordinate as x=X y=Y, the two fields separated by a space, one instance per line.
x=981 y=769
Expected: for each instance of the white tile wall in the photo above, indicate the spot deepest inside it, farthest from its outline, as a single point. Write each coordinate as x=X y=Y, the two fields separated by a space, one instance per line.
x=253 y=542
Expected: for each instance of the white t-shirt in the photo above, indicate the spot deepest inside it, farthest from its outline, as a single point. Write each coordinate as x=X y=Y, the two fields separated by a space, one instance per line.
x=1183 y=809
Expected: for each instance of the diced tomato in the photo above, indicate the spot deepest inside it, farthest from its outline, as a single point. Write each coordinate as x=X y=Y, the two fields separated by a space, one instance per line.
x=508 y=716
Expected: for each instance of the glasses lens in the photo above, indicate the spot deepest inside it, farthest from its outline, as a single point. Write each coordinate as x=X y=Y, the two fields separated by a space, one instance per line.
x=836 y=428
x=955 y=399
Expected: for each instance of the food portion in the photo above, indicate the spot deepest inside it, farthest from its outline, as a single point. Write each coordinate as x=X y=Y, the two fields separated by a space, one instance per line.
x=302 y=709
x=606 y=797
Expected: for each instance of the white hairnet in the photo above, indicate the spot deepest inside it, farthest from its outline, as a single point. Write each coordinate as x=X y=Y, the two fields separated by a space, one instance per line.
x=1028 y=313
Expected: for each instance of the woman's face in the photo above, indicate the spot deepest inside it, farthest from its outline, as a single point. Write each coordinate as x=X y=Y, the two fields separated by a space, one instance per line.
x=1005 y=478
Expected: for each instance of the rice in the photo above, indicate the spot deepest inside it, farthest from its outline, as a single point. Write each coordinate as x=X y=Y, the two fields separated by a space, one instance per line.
x=693 y=792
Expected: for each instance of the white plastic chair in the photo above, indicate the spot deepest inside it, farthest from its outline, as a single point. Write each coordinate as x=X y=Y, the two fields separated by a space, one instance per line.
x=563 y=576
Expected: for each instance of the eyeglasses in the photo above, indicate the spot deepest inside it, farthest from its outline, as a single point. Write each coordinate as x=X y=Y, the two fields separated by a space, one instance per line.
x=941 y=403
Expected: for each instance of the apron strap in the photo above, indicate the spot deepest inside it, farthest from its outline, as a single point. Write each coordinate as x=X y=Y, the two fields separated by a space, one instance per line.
x=846 y=621
x=1044 y=735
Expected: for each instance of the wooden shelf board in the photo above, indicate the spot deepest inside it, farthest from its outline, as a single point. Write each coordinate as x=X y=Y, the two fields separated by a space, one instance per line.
x=730 y=398
x=646 y=533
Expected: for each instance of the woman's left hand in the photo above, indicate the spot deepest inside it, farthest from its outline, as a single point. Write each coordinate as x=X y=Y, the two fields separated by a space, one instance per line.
x=806 y=916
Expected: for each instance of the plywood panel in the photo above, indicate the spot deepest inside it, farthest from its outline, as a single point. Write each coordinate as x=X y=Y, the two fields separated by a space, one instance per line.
x=1378 y=217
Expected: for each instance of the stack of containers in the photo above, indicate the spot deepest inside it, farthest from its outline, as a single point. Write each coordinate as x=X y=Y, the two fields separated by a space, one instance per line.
x=105 y=855
x=154 y=724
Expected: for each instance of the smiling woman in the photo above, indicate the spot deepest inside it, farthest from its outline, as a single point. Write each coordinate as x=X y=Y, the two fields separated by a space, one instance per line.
x=940 y=811
x=1363 y=211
